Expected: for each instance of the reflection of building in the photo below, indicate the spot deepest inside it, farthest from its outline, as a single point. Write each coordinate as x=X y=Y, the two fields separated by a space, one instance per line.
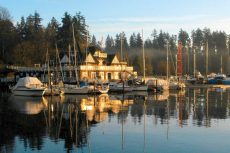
x=97 y=108
x=98 y=64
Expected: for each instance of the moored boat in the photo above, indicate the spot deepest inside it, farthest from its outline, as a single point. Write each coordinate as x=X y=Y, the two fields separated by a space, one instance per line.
x=28 y=86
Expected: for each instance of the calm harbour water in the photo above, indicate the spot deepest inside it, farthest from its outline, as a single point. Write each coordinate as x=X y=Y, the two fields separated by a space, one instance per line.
x=191 y=121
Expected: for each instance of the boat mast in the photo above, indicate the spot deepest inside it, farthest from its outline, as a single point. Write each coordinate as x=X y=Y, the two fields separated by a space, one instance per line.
x=121 y=47
x=69 y=54
x=57 y=53
x=143 y=52
x=75 y=56
x=167 y=48
x=207 y=58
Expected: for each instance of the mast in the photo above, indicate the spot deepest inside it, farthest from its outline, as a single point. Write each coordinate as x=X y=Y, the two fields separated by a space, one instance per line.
x=69 y=54
x=143 y=52
x=221 y=64
x=207 y=58
x=194 y=62
x=75 y=56
x=57 y=53
x=179 y=59
x=121 y=47
x=188 y=71
x=167 y=48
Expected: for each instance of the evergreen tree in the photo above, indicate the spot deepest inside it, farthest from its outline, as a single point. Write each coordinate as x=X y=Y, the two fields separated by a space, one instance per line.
x=132 y=41
x=139 y=41
x=65 y=32
x=109 y=44
x=155 y=39
x=94 y=41
x=183 y=37
x=161 y=40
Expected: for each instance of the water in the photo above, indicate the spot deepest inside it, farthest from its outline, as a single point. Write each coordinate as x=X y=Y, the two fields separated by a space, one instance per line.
x=191 y=121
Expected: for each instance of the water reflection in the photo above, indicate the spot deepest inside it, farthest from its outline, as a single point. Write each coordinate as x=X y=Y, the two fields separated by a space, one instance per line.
x=70 y=119
x=27 y=105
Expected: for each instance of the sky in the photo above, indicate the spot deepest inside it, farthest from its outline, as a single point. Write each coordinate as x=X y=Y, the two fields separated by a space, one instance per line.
x=110 y=17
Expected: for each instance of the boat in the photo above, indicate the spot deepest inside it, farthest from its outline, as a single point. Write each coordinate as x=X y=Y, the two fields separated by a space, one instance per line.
x=28 y=86
x=99 y=87
x=226 y=81
x=75 y=88
x=137 y=84
x=119 y=87
x=218 y=79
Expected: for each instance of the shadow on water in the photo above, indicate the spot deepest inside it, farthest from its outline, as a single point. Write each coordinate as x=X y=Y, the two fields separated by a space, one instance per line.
x=70 y=119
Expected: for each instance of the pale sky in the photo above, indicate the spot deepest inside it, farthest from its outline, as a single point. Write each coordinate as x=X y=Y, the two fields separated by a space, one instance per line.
x=114 y=16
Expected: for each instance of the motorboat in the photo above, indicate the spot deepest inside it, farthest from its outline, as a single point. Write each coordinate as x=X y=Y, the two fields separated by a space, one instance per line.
x=28 y=86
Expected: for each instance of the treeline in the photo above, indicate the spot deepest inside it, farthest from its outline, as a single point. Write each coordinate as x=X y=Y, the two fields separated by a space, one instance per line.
x=27 y=42
x=200 y=41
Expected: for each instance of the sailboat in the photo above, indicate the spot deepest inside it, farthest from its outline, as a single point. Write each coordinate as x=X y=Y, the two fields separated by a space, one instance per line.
x=50 y=90
x=75 y=89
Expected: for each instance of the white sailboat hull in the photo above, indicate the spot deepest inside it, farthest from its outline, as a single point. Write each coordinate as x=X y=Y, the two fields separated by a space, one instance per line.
x=28 y=91
x=75 y=90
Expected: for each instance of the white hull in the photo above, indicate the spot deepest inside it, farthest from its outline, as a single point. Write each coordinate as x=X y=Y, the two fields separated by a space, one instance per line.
x=75 y=90
x=28 y=92
x=140 y=88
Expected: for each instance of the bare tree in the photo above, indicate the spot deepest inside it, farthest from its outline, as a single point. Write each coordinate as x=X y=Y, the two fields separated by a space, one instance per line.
x=4 y=14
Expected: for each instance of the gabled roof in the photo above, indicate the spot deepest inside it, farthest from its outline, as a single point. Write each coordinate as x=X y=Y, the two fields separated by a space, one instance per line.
x=65 y=59
x=91 y=59
x=93 y=49
x=112 y=59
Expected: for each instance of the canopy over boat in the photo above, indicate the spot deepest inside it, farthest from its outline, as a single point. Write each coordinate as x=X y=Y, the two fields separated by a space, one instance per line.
x=28 y=82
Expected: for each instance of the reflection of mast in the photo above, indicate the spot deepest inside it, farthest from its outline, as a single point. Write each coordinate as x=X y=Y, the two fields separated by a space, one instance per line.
x=122 y=124
x=143 y=50
x=207 y=58
x=194 y=102
x=167 y=118
x=207 y=103
x=144 y=123
x=179 y=59
x=76 y=114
